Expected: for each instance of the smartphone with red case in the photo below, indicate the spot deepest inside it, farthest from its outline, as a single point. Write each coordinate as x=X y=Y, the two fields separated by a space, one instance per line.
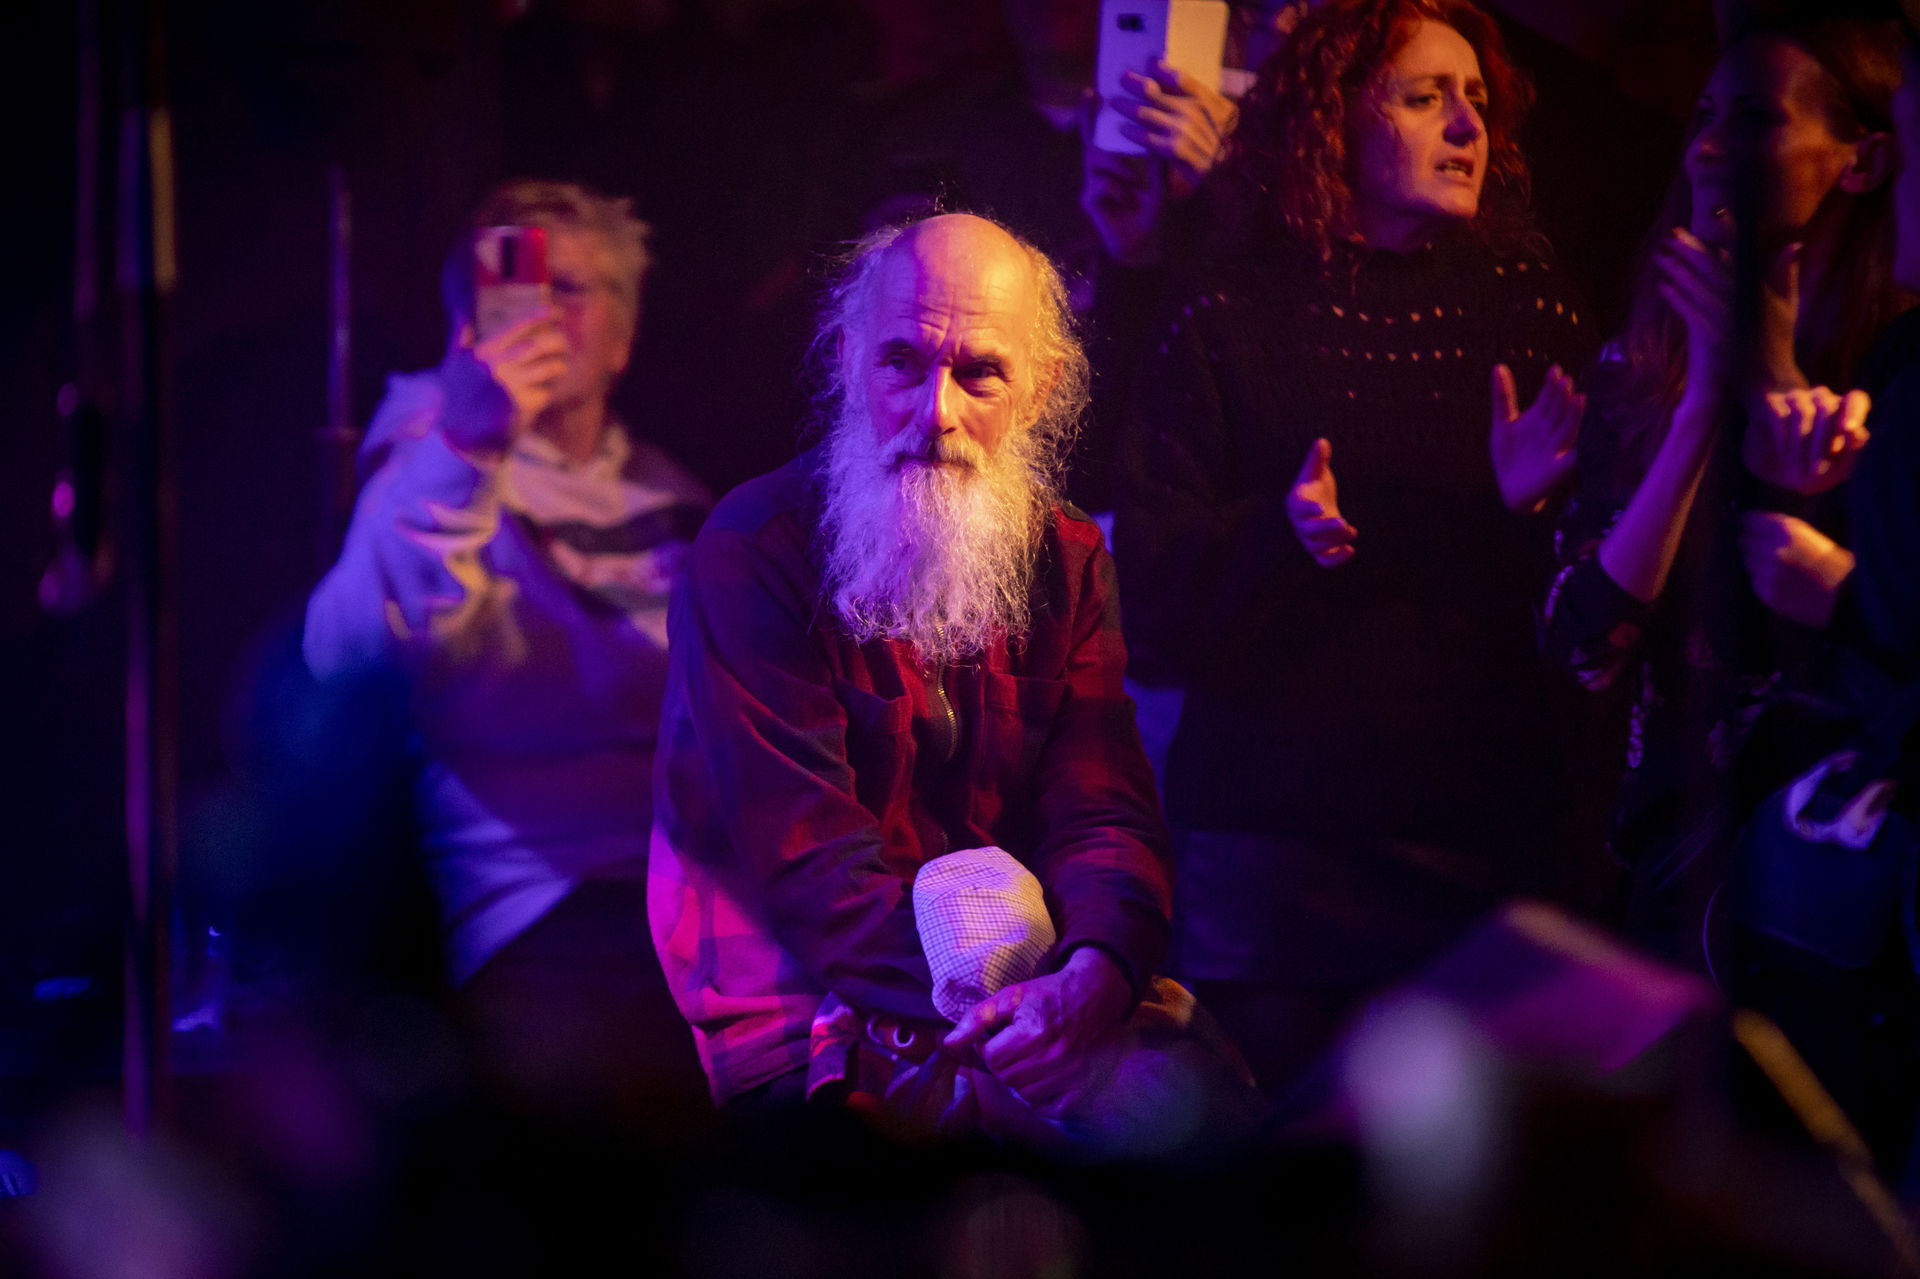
x=510 y=277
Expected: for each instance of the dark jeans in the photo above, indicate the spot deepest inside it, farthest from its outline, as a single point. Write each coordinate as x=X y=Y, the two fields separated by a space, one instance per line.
x=1282 y=1031
x=779 y=1094
x=573 y=1020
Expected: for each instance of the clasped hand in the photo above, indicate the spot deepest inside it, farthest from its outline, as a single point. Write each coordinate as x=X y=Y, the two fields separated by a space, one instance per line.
x=1037 y=1036
x=1805 y=441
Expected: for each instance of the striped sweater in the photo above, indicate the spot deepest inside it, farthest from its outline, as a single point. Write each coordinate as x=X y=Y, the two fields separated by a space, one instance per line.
x=526 y=597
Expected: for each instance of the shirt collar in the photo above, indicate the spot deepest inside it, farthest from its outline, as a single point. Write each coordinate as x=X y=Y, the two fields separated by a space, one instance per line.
x=615 y=448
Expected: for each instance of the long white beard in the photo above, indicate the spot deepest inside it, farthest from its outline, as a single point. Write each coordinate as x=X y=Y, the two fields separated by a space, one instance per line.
x=940 y=556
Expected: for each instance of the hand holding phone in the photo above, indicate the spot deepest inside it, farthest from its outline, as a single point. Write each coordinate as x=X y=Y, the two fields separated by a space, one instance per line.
x=1139 y=36
x=498 y=386
x=1176 y=117
x=503 y=371
x=1123 y=197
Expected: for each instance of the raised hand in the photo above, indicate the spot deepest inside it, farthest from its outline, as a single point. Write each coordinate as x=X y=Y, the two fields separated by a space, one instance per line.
x=1533 y=451
x=1696 y=280
x=1796 y=569
x=496 y=388
x=1183 y=125
x=1805 y=441
x=1314 y=509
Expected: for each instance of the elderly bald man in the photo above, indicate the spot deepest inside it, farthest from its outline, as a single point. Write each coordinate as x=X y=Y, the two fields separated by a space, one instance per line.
x=901 y=646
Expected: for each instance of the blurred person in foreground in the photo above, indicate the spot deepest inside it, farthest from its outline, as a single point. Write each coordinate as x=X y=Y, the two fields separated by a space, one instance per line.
x=512 y=553
x=900 y=652
x=1342 y=454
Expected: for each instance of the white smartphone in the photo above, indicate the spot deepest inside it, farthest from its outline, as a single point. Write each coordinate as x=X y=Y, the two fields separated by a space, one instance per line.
x=1189 y=35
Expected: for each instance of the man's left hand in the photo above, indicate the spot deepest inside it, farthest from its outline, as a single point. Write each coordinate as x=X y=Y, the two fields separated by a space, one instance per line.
x=1037 y=1036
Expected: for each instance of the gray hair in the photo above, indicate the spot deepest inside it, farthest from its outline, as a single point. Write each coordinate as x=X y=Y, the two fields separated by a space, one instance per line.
x=848 y=306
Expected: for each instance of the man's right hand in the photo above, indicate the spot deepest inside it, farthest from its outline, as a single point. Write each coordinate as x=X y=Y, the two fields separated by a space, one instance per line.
x=1315 y=513
x=1038 y=1036
x=496 y=388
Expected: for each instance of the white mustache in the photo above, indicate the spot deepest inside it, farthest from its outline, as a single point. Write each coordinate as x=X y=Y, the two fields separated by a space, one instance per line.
x=949 y=449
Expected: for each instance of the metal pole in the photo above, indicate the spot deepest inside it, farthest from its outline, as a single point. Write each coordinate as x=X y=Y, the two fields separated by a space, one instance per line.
x=146 y=276
x=78 y=573
x=339 y=438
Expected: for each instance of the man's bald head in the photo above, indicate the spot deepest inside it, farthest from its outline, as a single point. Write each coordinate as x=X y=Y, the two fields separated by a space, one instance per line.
x=962 y=233
x=959 y=246
x=939 y=259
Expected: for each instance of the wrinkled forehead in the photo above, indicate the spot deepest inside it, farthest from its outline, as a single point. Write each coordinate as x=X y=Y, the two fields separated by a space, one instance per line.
x=947 y=285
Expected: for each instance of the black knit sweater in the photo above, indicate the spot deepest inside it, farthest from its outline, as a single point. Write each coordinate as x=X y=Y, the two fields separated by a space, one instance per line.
x=1399 y=695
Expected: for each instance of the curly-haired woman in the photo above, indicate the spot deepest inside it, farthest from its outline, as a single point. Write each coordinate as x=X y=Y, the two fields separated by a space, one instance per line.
x=1366 y=761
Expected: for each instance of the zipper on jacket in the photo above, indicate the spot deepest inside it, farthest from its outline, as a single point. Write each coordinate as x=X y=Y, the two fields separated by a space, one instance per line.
x=948 y=718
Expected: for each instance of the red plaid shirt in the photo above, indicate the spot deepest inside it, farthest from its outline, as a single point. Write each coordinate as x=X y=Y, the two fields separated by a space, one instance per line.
x=803 y=778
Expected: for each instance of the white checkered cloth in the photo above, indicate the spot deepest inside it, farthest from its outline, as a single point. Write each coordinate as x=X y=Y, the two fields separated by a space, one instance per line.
x=983 y=924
